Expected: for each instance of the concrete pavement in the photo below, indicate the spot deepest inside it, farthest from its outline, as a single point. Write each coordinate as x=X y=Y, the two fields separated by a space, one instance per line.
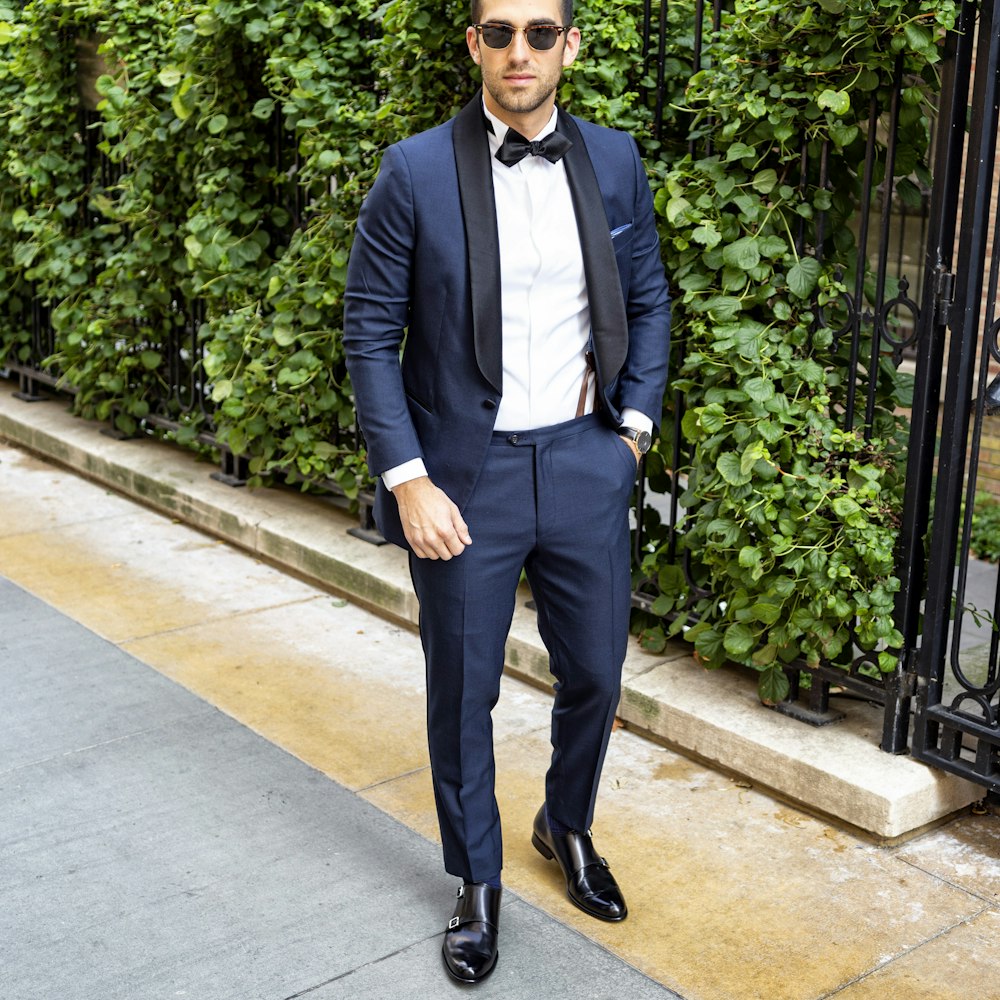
x=215 y=785
x=152 y=847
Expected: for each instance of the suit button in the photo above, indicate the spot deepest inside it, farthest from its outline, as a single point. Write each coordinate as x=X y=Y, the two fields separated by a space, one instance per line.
x=490 y=404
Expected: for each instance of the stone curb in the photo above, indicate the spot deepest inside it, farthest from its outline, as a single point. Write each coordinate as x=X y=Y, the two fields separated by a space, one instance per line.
x=836 y=771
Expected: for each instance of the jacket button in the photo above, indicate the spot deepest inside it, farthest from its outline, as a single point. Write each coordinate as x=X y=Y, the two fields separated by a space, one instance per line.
x=490 y=404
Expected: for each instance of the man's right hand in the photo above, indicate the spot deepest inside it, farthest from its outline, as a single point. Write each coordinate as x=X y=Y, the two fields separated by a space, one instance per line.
x=431 y=522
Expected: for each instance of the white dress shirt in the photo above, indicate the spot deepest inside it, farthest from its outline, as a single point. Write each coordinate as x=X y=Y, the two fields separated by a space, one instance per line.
x=543 y=299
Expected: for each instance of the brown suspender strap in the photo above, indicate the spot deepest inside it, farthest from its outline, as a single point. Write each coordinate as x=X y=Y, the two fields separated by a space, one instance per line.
x=588 y=376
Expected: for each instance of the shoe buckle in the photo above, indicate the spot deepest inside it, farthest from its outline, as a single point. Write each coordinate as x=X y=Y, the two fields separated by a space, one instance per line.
x=453 y=923
x=461 y=891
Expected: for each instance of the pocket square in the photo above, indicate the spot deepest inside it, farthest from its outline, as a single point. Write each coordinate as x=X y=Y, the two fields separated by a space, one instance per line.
x=620 y=230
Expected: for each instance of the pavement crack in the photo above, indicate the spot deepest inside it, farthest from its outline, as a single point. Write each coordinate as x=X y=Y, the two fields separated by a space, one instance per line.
x=360 y=968
x=214 y=619
x=96 y=746
x=946 y=881
x=906 y=951
x=391 y=779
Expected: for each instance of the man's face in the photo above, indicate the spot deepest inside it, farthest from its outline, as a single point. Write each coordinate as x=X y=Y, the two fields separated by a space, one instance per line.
x=518 y=78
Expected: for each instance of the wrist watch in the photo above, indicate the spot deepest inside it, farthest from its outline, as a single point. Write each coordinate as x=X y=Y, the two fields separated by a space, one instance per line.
x=641 y=439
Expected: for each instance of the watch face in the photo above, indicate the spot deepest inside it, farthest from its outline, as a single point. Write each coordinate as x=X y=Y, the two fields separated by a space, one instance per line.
x=642 y=441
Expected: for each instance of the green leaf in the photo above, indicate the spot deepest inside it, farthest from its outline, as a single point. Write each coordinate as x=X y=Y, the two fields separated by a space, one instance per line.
x=917 y=36
x=180 y=108
x=257 y=29
x=773 y=685
x=765 y=181
x=738 y=640
x=284 y=336
x=263 y=109
x=759 y=389
x=766 y=613
x=837 y=101
x=677 y=207
x=151 y=360
x=709 y=645
x=844 y=507
x=663 y=605
x=802 y=277
x=222 y=389
x=743 y=254
x=707 y=235
x=728 y=465
x=739 y=151
x=217 y=124
x=170 y=76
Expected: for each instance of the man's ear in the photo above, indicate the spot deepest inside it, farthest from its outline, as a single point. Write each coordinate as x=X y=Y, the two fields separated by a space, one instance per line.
x=572 y=46
x=472 y=40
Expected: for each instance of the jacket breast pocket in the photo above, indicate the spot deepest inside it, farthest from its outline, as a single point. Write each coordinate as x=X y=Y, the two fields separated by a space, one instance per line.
x=622 y=238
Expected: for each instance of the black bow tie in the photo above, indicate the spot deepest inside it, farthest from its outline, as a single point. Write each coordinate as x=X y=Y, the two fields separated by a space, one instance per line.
x=515 y=147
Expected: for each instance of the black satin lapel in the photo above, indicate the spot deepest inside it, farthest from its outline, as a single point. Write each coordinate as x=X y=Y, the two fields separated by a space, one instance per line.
x=475 y=185
x=604 y=291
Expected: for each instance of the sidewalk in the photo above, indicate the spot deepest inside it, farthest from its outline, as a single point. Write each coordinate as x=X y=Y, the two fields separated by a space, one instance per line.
x=252 y=817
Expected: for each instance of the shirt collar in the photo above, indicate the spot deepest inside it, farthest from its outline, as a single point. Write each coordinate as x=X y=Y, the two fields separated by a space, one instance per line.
x=500 y=128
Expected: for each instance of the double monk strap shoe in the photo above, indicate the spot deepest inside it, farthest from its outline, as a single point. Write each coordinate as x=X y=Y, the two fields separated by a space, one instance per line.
x=470 y=942
x=589 y=882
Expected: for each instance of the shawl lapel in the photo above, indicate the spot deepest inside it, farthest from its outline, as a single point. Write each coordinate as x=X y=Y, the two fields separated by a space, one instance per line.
x=604 y=291
x=475 y=185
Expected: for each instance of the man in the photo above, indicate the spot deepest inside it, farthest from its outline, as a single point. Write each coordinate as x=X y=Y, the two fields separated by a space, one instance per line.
x=516 y=248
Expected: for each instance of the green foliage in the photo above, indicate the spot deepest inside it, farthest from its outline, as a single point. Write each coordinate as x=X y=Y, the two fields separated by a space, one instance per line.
x=791 y=516
x=986 y=528
x=243 y=135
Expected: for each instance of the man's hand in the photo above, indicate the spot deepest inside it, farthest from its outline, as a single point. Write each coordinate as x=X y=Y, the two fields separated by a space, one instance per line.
x=431 y=522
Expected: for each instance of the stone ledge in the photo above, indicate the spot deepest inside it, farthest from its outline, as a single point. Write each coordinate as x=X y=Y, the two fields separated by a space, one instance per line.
x=837 y=771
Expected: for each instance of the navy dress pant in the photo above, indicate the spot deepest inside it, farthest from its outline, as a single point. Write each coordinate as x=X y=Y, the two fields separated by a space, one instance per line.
x=555 y=502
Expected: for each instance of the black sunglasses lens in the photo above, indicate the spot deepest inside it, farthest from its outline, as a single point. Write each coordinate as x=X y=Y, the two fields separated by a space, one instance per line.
x=541 y=37
x=497 y=36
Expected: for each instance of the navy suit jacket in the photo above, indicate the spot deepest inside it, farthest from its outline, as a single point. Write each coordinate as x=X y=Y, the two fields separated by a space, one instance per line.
x=424 y=275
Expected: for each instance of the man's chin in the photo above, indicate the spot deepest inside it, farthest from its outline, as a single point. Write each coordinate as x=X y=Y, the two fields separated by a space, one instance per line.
x=521 y=103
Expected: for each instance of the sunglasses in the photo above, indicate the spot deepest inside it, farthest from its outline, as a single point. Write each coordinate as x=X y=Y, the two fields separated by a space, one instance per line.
x=538 y=36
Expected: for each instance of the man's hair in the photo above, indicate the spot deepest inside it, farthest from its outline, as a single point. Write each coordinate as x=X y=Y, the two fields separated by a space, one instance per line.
x=567 y=11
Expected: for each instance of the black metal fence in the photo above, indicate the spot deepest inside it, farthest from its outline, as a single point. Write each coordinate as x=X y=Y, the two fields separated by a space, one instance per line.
x=881 y=322
x=951 y=667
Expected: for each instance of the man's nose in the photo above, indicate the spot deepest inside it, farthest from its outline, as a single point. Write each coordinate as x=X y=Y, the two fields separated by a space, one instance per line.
x=519 y=47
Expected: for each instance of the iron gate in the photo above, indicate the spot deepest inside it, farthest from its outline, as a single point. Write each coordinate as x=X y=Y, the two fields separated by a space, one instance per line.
x=954 y=683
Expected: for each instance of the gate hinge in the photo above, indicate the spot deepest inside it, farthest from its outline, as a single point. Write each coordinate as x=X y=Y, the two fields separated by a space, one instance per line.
x=945 y=296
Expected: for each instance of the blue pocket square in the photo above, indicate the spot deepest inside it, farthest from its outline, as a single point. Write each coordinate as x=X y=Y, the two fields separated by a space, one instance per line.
x=620 y=229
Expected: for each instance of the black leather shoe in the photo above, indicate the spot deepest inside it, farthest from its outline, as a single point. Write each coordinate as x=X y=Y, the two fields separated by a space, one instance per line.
x=470 y=942
x=589 y=882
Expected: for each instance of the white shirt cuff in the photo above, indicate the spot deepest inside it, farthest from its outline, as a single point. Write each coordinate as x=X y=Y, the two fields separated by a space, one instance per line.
x=636 y=420
x=413 y=469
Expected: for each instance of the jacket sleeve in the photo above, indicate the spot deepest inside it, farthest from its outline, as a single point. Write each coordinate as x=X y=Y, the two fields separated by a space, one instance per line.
x=644 y=377
x=376 y=313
